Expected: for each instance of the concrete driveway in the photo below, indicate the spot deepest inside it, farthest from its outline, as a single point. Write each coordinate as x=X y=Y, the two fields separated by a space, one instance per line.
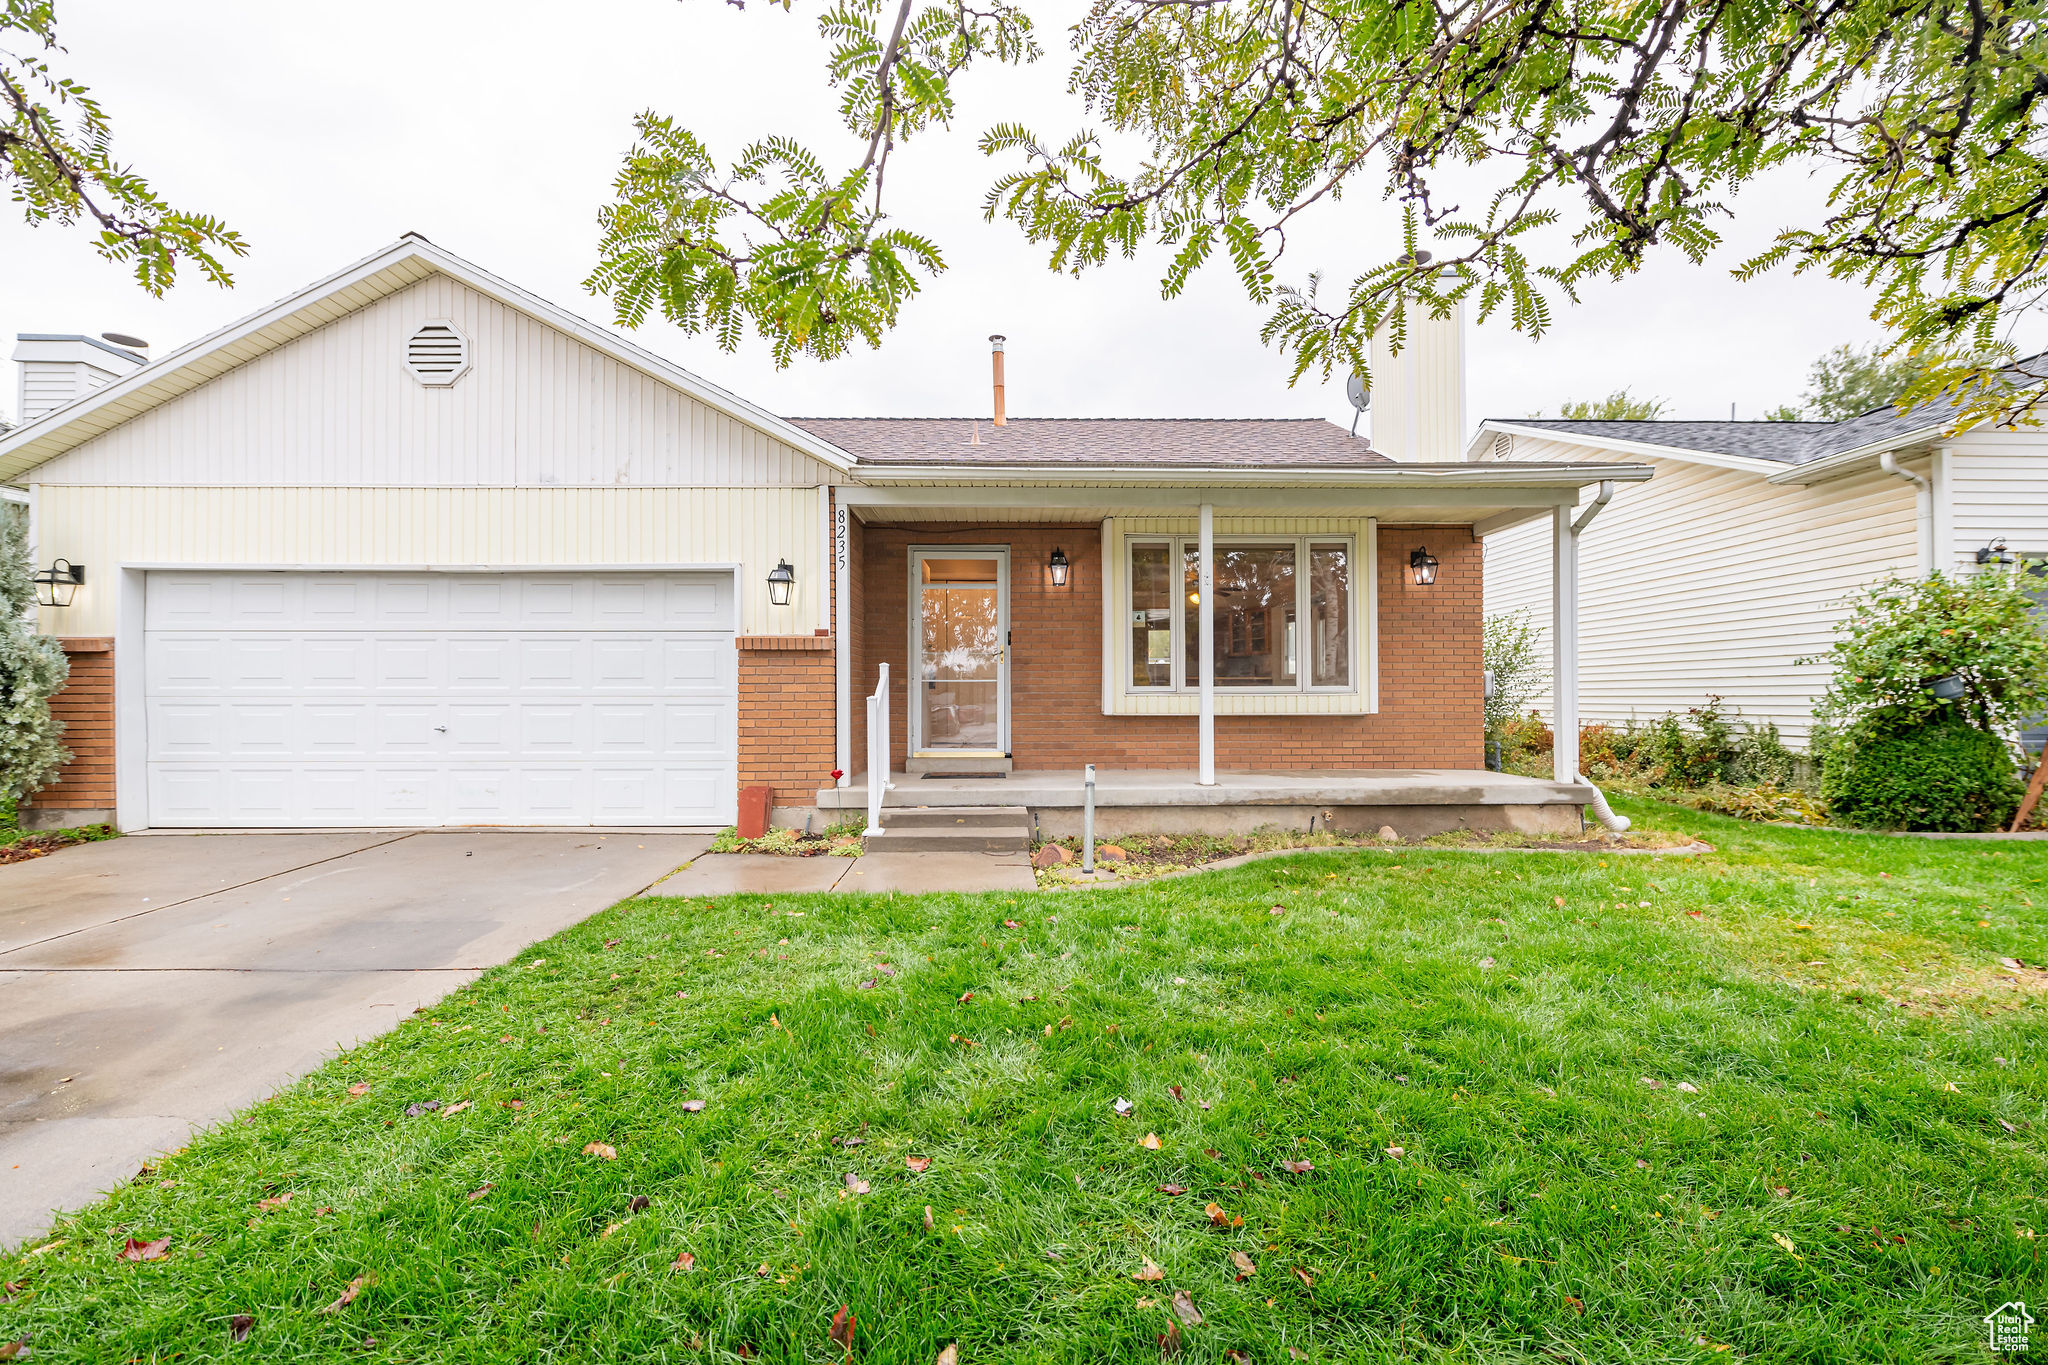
x=153 y=984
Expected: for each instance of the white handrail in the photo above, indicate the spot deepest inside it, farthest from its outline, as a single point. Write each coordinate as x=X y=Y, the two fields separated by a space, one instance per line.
x=878 y=753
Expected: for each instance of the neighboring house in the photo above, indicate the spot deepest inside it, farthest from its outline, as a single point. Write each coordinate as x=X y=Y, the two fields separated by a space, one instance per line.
x=415 y=548
x=1719 y=577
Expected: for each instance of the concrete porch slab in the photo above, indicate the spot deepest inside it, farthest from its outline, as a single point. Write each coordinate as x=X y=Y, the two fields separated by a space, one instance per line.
x=1178 y=787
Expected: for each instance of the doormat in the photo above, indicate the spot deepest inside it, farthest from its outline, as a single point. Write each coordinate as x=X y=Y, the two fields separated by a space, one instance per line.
x=926 y=777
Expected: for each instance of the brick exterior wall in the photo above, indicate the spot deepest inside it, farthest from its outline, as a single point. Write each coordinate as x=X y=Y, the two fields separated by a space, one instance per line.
x=787 y=715
x=86 y=706
x=1431 y=675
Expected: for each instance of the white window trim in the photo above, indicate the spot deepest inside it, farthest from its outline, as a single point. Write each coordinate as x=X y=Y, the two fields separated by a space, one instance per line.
x=1177 y=547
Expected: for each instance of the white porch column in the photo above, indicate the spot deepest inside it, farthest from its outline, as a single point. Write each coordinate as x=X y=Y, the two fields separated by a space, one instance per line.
x=1205 y=612
x=1564 y=646
x=842 y=647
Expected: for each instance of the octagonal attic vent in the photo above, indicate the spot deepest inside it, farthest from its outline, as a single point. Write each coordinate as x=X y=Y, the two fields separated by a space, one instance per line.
x=437 y=354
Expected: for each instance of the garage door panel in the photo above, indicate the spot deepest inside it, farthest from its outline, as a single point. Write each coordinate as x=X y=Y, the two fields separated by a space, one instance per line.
x=315 y=698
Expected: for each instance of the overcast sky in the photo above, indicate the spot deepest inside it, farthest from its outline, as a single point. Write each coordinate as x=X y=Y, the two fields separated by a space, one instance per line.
x=323 y=132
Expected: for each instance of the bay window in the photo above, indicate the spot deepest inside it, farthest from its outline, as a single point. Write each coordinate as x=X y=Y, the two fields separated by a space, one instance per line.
x=1283 y=614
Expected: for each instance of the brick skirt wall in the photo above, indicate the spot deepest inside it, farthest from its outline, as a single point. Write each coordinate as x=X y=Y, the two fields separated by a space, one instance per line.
x=86 y=706
x=1431 y=675
x=788 y=712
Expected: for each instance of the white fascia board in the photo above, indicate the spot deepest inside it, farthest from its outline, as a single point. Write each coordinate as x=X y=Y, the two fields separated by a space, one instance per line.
x=1450 y=474
x=1844 y=461
x=403 y=263
x=1746 y=463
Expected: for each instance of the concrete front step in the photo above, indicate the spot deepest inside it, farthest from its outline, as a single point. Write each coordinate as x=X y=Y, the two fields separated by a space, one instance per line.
x=927 y=839
x=953 y=817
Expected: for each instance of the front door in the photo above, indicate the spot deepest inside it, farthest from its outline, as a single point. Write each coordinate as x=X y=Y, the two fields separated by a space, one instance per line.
x=960 y=651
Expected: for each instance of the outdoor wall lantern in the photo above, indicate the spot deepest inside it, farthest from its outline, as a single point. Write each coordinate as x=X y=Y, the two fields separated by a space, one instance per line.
x=58 y=584
x=1058 y=565
x=781 y=579
x=1422 y=564
x=1994 y=553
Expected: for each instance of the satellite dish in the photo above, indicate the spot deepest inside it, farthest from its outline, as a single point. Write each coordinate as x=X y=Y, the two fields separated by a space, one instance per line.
x=123 y=339
x=1360 y=395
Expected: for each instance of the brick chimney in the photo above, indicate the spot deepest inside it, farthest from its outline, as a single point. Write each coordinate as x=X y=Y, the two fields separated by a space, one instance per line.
x=52 y=369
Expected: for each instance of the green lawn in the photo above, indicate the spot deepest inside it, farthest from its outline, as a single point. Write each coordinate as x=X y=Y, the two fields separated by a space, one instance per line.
x=1778 y=1102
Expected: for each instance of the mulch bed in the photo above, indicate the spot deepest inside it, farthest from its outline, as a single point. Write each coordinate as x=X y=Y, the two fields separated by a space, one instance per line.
x=37 y=845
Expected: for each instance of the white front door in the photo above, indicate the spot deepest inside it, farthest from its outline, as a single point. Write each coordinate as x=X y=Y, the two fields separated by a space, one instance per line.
x=960 y=651
x=304 y=699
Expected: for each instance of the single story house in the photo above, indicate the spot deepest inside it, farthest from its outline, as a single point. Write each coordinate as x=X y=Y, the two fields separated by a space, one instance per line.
x=413 y=547
x=1731 y=568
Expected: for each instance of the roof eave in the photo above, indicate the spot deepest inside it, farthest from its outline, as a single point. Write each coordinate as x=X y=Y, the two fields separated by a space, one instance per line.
x=1457 y=474
x=1845 y=461
x=1747 y=463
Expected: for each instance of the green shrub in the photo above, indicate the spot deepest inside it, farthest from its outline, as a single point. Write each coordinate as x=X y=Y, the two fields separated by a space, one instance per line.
x=1946 y=776
x=1761 y=756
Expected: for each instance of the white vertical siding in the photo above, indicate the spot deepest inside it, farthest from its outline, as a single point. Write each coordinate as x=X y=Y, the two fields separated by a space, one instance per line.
x=104 y=528
x=1708 y=582
x=335 y=407
x=1418 y=400
x=1998 y=489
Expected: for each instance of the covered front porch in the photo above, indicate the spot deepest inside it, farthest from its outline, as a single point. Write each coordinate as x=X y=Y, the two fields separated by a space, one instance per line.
x=1414 y=802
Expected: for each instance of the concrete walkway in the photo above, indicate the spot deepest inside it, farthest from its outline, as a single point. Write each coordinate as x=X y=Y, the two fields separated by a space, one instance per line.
x=720 y=874
x=153 y=984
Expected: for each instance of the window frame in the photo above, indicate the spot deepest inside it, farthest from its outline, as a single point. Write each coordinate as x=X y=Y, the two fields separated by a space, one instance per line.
x=1178 y=546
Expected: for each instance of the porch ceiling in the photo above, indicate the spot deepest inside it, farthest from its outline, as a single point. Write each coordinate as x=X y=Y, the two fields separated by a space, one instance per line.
x=1085 y=505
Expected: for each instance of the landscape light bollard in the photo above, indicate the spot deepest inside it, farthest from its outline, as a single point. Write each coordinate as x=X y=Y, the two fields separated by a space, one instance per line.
x=1088 y=819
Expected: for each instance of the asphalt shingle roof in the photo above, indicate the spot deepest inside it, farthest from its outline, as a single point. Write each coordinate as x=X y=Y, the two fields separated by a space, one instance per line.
x=1788 y=443
x=1096 y=441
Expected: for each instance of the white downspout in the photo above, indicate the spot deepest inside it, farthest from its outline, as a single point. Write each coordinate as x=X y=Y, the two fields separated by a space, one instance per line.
x=839 y=546
x=1923 y=508
x=1564 y=651
x=1205 y=655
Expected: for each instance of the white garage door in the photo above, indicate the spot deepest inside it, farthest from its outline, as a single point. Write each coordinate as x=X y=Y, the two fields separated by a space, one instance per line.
x=304 y=699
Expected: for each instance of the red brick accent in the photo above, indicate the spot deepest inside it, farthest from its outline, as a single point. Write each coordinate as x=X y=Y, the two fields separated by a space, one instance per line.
x=86 y=706
x=1429 y=658
x=785 y=642
x=786 y=718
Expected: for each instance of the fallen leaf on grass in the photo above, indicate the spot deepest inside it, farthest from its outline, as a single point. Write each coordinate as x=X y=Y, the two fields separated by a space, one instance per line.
x=1781 y=1192
x=1712 y=1345
x=964 y=1042
x=1173 y=1189
x=134 y=1250
x=637 y=1203
x=948 y=1355
x=275 y=1201
x=49 y=1246
x=1245 y=1266
x=1184 y=1308
x=239 y=1327
x=479 y=1192
x=1688 y=1087
x=927 y=1217
x=965 y=996
x=348 y=1295
x=1308 y=1281
x=602 y=1149
x=452 y=1110
x=693 y=1106
x=359 y=1088
x=14 y=1350
x=1651 y=1081
x=1642 y=1165
x=685 y=1261
x=1576 y=1305
x=1169 y=1341
x=919 y=1164
x=842 y=1328
x=1297 y=1167
x=1150 y=1142
x=1122 y=1107
x=1396 y=1152
x=1148 y=1273
x=854 y=1182
x=764 y=1270
x=609 y=1229
x=1174 y=1091
x=1485 y=963
x=1218 y=1218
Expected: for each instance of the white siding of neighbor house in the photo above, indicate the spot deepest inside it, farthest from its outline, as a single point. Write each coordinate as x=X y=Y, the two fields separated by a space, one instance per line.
x=106 y=527
x=335 y=407
x=1997 y=485
x=1707 y=581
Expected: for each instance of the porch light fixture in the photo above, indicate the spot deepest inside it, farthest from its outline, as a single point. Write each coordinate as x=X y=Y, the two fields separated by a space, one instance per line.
x=1995 y=553
x=1058 y=565
x=781 y=579
x=1422 y=564
x=58 y=584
